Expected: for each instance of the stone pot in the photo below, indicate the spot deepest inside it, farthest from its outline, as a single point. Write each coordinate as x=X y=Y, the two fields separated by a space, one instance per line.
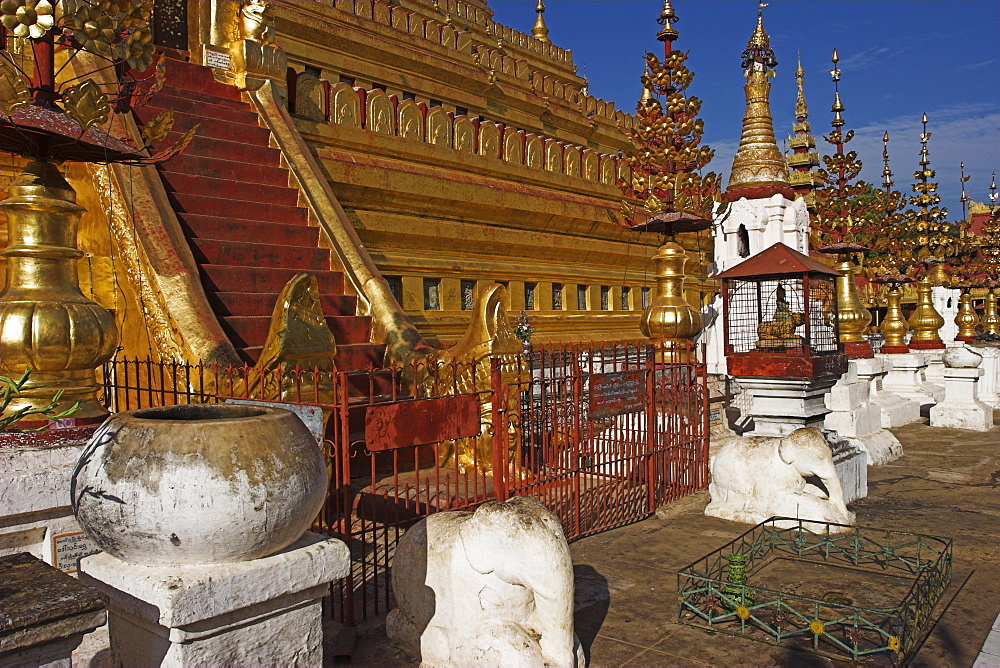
x=199 y=484
x=961 y=357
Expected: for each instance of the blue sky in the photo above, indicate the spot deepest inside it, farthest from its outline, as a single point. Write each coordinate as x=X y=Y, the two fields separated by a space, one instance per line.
x=899 y=58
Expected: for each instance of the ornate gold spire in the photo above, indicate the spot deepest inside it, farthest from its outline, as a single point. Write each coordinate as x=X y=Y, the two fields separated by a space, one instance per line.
x=758 y=161
x=801 y=109
x=803 y=160
x=667 y=19
x=541 y=31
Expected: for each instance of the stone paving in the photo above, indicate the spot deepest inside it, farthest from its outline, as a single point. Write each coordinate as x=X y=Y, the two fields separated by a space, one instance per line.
x=946 y=484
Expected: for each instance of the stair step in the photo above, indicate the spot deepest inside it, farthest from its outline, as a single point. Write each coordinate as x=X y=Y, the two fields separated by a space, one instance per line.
x=239 y=210
x=192 y=77
x=222 y=278
x=216 y=168
x=246 y=331
x=220 y=149
x=350 y=357
x=240 y=253
x=260 y=303
x=233 y=190
x=225 y=228
x=218 y=128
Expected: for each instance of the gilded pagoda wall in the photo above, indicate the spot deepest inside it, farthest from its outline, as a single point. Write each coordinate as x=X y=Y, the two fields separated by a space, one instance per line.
x=404 y=105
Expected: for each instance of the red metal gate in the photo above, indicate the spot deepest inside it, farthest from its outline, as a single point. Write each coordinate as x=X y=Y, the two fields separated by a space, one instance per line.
x=602 y=435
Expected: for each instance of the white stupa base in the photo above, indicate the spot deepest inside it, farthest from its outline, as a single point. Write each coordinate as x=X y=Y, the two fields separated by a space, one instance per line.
x=856 y=418
x=907 y=379
x=267 y=611
x=961 y=408
x=988 y=384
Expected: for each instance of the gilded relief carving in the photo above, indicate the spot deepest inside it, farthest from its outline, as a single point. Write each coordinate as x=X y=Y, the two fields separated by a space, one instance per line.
x=591 y=165
x=553 y=156
x=345 y=106
x=608 y=170
x=571 y=161
x=513 y=146
x=411 y=120
x=489 y=139
x=380 y=112
x=465 y=135
x=438 y=127
x=534 y=154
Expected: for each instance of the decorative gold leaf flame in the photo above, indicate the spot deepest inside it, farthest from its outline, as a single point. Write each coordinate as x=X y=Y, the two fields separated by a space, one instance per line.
x=158 y=128
x=14 y=91
x=87 y=105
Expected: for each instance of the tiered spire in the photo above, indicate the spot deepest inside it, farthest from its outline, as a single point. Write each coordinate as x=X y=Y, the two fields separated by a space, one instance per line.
x=541 y=31
x=758 y=168
x=803 y=159
x=934 y=238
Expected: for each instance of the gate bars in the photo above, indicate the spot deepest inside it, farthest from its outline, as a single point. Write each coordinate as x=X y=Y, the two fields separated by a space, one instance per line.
x=601 y=434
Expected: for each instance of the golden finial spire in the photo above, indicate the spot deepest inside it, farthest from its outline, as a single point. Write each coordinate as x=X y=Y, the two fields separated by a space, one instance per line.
x=667 y=19
x=758 y=161
x=886 y=170
x=541 y=31
x=801 y=109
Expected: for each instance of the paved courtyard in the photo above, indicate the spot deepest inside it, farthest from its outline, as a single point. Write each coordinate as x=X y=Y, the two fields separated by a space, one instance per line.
x=946 y=484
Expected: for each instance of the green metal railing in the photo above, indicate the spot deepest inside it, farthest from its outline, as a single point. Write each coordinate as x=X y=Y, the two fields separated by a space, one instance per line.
x=717 y=591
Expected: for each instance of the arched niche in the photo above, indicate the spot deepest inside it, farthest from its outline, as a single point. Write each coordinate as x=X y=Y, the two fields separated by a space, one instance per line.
x=513 y=146
x=465 y=135
x=608 y=170
x=489 y=139
x=380 y=113
x=310 y=97
x=400 y=18
x=591 y=165
x=345 y=105
x=411 y=120
x=438 y=127
x=624 y=171
x=554 y=156
x=534 y=152
x=571 y=161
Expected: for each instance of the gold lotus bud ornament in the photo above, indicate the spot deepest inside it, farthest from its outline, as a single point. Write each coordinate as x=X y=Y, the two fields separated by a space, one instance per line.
x=27 y=18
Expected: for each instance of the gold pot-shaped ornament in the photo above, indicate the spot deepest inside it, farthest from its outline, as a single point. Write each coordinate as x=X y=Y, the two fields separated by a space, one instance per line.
x=966 y=319
x=991 y=319
x=670 y=319
x=925 y=321
x=46 y=322
x=894 y=326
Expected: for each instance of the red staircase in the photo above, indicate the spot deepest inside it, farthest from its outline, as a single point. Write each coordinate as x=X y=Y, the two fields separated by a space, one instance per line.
x=242 y=220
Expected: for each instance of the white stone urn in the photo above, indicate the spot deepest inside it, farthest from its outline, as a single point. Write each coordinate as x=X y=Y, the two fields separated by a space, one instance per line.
x=198 y=484
x=961 y=357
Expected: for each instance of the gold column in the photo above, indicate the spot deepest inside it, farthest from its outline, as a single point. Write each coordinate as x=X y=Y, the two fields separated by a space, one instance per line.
x=45 y=321
x=669 y=318
x=852 y=316
x=991 y=319
x=894 y=326
x=925 y=321
x=966 y=318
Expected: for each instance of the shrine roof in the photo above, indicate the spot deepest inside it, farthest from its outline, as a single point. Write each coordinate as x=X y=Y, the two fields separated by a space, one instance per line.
x=778 y=260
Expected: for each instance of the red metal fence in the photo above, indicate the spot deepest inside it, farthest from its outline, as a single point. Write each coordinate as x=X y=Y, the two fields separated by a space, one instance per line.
x=600 y=434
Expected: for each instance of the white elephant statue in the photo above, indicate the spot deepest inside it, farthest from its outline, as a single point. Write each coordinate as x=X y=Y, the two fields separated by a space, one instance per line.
x=489 y=588
x=757 y=477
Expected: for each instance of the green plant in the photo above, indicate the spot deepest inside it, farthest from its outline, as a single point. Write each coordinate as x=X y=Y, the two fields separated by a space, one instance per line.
x=13 y=388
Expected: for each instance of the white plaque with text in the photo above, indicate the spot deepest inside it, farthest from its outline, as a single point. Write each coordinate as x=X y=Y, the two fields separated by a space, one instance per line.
x=70 y=547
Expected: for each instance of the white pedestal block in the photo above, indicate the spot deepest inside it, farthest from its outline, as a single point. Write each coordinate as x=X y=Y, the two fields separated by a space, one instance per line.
x=935 y=365
x=961 y=408
x=779 y=406
x=907 y=379
x=896 y=411
x=988 y=384
x=266 y=611
x=851 y=464
x=854 y=417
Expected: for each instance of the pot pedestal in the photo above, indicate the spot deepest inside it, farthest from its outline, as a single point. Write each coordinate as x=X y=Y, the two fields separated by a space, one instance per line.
x=988 y=384
x=854 y=415
x=896 y=411
x=267 y=611
x=961 y=408
x=908 y=378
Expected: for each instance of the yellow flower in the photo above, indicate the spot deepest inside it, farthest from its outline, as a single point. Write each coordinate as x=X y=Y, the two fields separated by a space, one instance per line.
x=743 y=612
x=816 y=626
x=894 y=643
x=27 y=18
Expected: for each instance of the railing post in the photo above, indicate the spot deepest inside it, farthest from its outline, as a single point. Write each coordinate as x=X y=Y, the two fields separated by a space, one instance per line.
x=498 y=404
x=650 y=434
